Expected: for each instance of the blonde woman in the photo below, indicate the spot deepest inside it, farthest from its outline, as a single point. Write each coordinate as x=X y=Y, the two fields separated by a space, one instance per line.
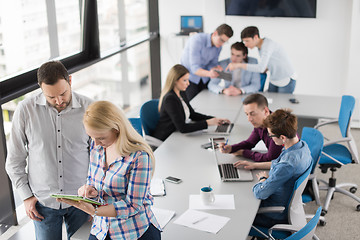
x=175 y=109
x=121 y=165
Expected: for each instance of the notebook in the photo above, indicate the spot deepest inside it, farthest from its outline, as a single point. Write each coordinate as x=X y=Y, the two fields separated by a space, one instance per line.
x=229 y=173
x=190 y=24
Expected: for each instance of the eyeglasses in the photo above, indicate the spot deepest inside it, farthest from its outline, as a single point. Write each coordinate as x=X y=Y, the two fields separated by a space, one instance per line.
x=271 y=136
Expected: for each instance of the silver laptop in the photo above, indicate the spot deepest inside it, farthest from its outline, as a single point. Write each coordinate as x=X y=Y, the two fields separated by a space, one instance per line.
x=223 y=129
x=229 y=173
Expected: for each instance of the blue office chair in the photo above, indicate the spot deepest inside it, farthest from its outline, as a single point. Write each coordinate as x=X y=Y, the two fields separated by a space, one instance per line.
x=339 y=152
x=295 y=211
x=315 y=142
x=306 y=233
x=263 y=77
x=136 y=123
x=149 y=115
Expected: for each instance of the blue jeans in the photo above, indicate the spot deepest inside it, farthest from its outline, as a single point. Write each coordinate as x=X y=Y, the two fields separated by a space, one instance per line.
x=152 y=233
x=51 y=226
x=286 y=89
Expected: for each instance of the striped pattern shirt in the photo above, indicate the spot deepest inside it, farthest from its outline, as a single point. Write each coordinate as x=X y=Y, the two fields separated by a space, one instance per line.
x=126 y=185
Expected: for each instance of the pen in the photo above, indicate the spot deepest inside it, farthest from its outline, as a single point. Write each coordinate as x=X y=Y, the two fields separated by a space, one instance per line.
x=199 y=220
x=227 y=140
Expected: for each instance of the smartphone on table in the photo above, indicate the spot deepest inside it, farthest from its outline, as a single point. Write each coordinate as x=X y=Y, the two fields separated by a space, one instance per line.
x=173 y=179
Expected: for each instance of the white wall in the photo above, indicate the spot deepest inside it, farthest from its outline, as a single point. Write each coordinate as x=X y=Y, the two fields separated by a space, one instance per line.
x=324 y=50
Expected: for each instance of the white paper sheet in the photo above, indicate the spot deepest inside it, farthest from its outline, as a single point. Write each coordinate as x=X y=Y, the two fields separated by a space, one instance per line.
x=163 y=216
x=221 y=202
x=202 y=221
x=157 y=187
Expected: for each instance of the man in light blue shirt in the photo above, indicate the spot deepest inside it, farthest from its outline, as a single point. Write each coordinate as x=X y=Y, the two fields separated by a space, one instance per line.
x=242 y=81
x=200 y=57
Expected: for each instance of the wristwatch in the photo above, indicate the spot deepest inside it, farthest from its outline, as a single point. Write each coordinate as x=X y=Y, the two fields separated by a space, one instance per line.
x=262 y=178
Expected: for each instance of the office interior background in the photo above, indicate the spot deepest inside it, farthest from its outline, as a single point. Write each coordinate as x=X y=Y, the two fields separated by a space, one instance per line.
x=126 y=58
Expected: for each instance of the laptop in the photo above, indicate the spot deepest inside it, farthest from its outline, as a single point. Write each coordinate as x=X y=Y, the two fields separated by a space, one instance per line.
x=189 y=24
x=223 y=129
x=229 y=173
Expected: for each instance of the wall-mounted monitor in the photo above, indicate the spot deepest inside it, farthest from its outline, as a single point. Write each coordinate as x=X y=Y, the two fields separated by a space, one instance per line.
x=271 y=8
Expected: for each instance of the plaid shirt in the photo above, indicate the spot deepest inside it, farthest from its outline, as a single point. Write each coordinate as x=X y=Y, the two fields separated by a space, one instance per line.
x=126 y=185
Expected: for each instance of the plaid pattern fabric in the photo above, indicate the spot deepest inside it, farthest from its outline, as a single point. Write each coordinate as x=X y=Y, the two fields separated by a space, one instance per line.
x=126 y=185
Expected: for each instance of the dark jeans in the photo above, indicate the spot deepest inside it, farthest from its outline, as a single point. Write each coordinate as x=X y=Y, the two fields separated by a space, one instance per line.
x=193 y=89
x=51 y=226
x=152 y=233
x=264 y=221
x=286 y=89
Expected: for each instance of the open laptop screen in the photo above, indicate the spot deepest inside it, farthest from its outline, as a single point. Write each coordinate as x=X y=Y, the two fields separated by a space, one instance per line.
x=191 y=24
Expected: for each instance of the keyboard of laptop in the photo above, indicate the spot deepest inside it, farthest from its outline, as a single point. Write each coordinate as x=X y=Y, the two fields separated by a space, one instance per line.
x=222 y=127
x=229 y=171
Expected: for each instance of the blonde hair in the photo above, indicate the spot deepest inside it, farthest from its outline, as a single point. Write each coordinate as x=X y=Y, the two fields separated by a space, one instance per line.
x=175 y=73
x=103 y=115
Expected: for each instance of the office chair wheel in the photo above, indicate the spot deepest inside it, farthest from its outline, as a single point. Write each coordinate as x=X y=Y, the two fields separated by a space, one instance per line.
x=353 y=189
x=323 y=212
x=358 y=208
x=322 y=223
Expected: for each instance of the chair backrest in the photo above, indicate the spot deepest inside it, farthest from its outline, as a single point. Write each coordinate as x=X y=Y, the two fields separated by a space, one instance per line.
x=308 y=231
x=149 y=115
x=315 y=141
x=296 y=213
x=136 y=123
x=346 y=110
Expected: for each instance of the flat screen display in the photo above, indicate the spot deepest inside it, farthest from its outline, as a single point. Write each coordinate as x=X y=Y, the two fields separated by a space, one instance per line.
x=271 y=8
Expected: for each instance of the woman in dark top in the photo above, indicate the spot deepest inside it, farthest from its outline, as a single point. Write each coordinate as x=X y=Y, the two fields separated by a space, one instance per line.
x=175 y=109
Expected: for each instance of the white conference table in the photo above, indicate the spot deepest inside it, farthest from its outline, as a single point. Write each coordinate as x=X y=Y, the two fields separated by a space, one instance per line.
x=181 y=156
x=309 y=106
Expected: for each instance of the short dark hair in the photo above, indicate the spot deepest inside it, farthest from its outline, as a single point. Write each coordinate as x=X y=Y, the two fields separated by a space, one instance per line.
x=250 y=32
x=282 y=122
x=239 y=46
x=225 y=29
x=51 y=72
x=257 y=98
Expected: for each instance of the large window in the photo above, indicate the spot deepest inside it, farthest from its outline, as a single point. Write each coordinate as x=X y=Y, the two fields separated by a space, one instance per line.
x=32 y=32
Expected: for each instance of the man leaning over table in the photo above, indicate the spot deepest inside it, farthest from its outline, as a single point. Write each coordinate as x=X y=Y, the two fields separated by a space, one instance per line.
x=49 y=152
x=243 y=81
x=201 y=57
x=256 y=109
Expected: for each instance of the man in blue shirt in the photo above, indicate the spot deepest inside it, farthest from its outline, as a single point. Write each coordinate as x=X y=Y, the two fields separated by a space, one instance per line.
x=242 y=81
x=200 y=57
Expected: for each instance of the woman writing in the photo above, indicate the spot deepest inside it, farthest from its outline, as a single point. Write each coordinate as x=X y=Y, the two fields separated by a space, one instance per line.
x=275 y=188
x=175 y=109
x=120 y=170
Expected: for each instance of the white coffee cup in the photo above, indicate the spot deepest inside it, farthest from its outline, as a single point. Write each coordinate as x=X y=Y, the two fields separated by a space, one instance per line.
x=207 y=195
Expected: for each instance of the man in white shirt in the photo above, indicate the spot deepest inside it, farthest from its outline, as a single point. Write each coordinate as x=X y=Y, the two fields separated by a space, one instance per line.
x=272 y=57
x=48 y=152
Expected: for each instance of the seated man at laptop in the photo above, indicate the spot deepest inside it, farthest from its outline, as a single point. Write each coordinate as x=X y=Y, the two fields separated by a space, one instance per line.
x=256 y=109
x=243 y=81
x=175 y=110
x=275 y=188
